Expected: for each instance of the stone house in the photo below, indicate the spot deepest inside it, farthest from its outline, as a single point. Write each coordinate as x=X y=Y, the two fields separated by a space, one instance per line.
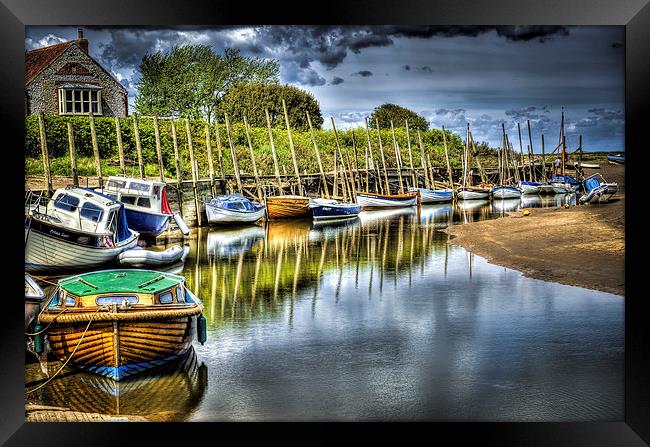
x=63 y=79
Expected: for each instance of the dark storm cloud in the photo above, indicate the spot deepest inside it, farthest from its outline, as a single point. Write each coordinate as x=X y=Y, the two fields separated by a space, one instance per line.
x=336 y=80
x=407 y=67
x=531 y=113
x=362 y=73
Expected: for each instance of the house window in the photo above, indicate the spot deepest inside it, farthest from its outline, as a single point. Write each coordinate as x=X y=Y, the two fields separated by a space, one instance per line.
x=78 y=101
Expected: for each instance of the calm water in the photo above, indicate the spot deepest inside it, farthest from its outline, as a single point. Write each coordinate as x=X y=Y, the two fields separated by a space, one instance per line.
x=375 y=319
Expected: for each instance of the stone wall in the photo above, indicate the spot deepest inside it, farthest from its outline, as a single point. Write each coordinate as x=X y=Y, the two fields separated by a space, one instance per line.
x=42 y=92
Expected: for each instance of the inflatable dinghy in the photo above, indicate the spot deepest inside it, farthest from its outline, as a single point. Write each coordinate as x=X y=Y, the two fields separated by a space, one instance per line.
x=139 y=257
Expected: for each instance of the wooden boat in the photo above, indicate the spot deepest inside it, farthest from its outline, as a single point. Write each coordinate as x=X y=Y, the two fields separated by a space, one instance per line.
x=434 y=195
x=77 y=228
x=529 y=188
x=328 y=210
x=34 y=296
x=121 y=322
x=289 y=206
x=368 y=200
x=146 y=203
x=505 y=192
x=616 y=159
x=473 y=193
x=233 y=209
x=597 y=190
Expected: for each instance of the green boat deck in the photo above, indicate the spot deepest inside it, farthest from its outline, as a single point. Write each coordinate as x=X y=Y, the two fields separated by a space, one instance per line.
x=120 y=281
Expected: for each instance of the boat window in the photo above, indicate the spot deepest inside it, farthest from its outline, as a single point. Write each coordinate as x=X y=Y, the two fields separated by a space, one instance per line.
x=116 y=299
x=66 y=202
x=144 y=202
x=91 y=211
x=70 y=301
x=129 y=200
x=156 y=191
x=180 y=296
x=166 y=298
x=112 y=196
x=139 y=187
x=116 y=184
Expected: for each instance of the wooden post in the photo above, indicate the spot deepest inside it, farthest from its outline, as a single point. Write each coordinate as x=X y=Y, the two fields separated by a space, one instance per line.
x=344 y=180
x=383 y=161
x=234 y=155
x=543 y=161
x=398 y=158
x=208 y=147
x=423 y=162
x=353 y=185
x=368 y=149
x=250 y=146
x=320 y=164
x=531 y=154
x=478 y=162
x=444 y=140
x=346 y=177
x=138 y=147
x=293 y=151
x=357 y=178
x=177 y=163
x=161 y=168
x=335 y=186
x=275 y=157
x=220 y=153
x=371 y=161
x=195 y=174
x=93 y=137
x=120 y=145
x=73 y=155
x=521 y=150
x=408 y=142
x=45 y=153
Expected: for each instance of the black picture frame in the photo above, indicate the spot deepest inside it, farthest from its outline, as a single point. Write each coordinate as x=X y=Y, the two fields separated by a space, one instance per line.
x=633 y=14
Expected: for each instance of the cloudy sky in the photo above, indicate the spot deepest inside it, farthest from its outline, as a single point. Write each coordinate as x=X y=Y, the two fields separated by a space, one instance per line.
x=451 y=75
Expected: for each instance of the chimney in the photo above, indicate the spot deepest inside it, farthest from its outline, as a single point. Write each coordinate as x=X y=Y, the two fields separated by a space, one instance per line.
x=83 y=43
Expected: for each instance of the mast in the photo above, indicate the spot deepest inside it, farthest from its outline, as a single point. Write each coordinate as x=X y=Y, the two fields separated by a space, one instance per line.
x=468 y=157
x=563 y=142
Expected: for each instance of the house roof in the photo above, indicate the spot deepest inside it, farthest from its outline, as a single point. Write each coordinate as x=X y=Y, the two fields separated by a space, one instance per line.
x=37 y=60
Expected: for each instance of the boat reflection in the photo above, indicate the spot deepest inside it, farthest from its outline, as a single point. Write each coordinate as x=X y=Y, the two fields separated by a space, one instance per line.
x=232 y=241
x=436 y=215
x=168 y=393
x=502 y=206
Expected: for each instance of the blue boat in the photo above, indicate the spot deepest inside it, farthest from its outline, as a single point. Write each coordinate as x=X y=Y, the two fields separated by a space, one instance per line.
x=597 y=190
x=146 y=204
x=616 y=158
x=323 y=209
x=505 y=192
x=568 y=182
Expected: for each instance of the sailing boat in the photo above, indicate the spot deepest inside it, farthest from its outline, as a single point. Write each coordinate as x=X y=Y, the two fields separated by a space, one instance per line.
x=467 y=191
x=563 y=184
x=503 y=191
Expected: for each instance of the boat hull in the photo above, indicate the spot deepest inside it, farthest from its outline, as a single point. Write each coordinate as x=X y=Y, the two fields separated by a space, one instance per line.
x=287 y=207
x=147 y=224
x=506 y=193
x=49 y=248
x=118 y=349
x=600 y=194
x=528 y=188
x=468 y=194
x=434 y=195
x=335 y=211
x=222 y=216
x=374 y=201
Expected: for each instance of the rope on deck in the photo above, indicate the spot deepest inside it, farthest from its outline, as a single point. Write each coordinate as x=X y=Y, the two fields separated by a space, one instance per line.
x=122 y=316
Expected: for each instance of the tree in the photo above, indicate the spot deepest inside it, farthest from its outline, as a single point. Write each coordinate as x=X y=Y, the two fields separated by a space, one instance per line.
x=190 y=80
x=251 y=99
x=387 y=112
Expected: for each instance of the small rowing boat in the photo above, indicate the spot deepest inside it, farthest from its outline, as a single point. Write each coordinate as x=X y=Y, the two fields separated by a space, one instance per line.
x=434 y=195
x=368 y=200
x=565 y=181
x=529 y=188
x=505 y=192
x=121 y=322
x=140 y=257
x=616 y=159
x=473 y=193
x=325 y=209
x=289 y=206
x=597 y=190
x=233 y=209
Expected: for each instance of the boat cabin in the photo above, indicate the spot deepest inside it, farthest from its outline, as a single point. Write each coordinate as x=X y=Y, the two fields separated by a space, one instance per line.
x=139 y=195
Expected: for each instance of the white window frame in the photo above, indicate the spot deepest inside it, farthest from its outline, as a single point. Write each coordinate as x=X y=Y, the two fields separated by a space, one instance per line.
x=62 y=101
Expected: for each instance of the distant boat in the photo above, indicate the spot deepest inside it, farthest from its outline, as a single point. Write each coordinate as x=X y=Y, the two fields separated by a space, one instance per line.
x=289 y=206
x=587 y=165
x=34 y=296
x=597 y=191
x=325 y=209
x=473 y=193
x=529 y=188
x=434 y=195
x=616 y=159
x=135 y=320
x=505 y=192
x=368 y=200
x=77 y=228
x=233 y=209
x=146 y=203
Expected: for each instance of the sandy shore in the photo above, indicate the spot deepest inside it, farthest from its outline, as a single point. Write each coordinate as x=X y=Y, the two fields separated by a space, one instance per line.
x=582 y=246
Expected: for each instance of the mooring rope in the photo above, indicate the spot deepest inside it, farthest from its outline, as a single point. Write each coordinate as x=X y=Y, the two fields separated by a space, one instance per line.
x=50 y=323
x=69 y=357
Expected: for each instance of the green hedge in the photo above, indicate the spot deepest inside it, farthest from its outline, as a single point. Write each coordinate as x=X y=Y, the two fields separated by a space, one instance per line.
x=57 y=143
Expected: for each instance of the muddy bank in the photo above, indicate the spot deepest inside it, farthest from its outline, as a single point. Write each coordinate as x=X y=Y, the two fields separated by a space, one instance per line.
x=582 y=246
